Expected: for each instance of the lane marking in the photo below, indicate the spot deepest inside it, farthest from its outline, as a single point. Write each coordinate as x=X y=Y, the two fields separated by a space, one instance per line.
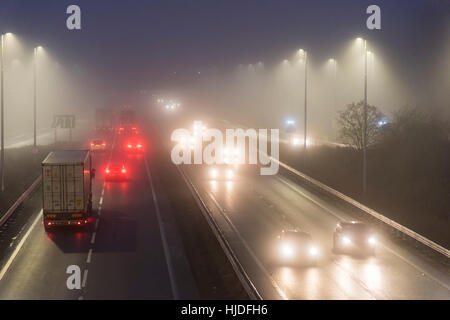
x=83 y=284
x=383 y=245
x=250 y=251
x=93 y=237
x=311 y=199
x=173 y=284
x=88 y=260
x=19 y=246
x=416 y=267
x=101 y=200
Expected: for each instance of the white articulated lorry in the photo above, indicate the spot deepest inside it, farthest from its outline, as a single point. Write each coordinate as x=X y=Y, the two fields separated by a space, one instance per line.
x=67 y=188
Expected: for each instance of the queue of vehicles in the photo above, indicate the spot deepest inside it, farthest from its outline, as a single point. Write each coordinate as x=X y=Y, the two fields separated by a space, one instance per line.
x=67 y=195
x=67 y=174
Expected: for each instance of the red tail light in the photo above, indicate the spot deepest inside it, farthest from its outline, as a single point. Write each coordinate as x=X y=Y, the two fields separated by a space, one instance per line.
x=139 y=145
x=92 y=144
x=123 y=170
x=49 y=223
x=107 y=170
x=103 y=144
x=129 y=146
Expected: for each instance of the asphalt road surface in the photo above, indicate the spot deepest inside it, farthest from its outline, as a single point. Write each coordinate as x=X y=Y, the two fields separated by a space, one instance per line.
x=253 y=209
x=125 y=253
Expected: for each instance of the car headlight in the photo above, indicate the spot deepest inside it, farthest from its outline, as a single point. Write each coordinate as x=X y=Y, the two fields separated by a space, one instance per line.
x=313 y=251
x=346 y=240
x=372 y=241
x=287 y=250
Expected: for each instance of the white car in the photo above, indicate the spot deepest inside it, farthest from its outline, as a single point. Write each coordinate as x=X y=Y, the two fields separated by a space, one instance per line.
x=354 y=237
x=296 y=246
x=221 y=172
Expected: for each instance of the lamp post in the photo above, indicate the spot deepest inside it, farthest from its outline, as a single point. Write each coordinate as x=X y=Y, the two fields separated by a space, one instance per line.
x=364 y=173
x=2 y=113
x=334 y=66
x=35 y=56
x=305 y=103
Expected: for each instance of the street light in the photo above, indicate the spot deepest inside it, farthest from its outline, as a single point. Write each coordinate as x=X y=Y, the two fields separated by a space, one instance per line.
x=305 y=55
x=36 y=50
x=2 y=113
x=364 y=173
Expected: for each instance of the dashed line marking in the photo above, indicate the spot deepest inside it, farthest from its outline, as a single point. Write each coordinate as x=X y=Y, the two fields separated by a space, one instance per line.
x=88 y=260
x=93 y=237
x=83 y=284
x=101 y=200
x=19 y=246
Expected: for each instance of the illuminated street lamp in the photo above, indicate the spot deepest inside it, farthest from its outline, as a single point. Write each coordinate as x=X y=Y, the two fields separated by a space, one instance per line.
x=364 y=175
x=35 y=56
x=2 y=112
x=305 y=55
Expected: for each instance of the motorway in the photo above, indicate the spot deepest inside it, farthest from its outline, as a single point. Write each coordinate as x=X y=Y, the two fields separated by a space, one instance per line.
x=251 y=210
x=128 y=252
x=125 y=253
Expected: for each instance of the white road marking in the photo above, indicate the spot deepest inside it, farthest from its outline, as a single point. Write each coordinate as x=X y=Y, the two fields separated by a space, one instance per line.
x=83 y=284
x=19 y=246
x=416 y=267
x=88 y=260
x=101 y=200
x=247 y=247
x=93 y=237
x=312 y=200
x=173 y=283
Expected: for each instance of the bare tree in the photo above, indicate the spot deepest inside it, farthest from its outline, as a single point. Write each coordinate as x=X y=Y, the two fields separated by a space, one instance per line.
x=351 y=124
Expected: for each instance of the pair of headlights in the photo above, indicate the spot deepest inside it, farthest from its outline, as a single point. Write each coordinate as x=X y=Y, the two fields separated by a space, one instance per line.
x=289 y=251
x=371 y=240
x=214 y=173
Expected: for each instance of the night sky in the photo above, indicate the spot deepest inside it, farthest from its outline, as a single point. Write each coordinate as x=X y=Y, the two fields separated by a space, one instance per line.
x=142 y=43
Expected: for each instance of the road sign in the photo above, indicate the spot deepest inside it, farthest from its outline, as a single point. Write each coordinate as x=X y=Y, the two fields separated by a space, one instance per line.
x=63 y=121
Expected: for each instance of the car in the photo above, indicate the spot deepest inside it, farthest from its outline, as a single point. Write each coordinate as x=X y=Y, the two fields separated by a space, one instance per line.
x=127 y=130
x=296 y=246
x=354 y=237
x=98 y=145
x=134 y=146
x=221 y=172
x=116 y=172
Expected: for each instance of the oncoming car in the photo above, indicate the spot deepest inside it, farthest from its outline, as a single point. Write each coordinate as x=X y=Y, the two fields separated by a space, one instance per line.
x=296 y=246
x=221 y=172
x=98 y=145
x=353 y=237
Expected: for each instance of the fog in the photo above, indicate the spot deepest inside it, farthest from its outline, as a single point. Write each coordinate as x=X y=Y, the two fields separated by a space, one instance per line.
x=267 y=95
x=61 y=88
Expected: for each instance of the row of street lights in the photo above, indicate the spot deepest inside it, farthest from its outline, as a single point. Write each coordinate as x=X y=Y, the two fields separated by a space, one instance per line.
x=304 y=54
x=2 y=106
